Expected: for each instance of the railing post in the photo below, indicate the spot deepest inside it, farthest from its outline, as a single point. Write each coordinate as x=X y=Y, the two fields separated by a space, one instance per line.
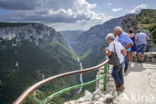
x=105 y=76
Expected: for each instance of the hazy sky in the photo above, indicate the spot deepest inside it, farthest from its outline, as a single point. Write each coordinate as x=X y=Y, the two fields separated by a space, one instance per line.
x=69 y=14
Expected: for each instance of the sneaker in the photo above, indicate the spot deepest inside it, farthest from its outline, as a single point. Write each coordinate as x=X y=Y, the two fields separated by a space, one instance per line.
x=120 y=88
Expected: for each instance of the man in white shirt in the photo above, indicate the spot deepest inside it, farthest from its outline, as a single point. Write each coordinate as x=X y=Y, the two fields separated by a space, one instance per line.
x=115 y=46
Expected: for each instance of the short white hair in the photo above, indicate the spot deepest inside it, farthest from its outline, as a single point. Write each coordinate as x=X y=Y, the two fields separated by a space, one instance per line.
x=110 y=36
x=118 y=28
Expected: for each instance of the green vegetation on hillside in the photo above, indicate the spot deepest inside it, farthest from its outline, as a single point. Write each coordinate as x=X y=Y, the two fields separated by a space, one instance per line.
x=26 y=64
x=141 y=20
x=152 y=29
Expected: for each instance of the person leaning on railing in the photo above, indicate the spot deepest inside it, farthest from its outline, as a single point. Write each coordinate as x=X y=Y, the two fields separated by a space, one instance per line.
x=114 y=52
x=141 y=39
x=125 y=41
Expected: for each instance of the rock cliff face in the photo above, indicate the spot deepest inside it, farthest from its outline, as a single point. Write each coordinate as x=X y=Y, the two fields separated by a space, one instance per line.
x=30 y=52
x=37 y=33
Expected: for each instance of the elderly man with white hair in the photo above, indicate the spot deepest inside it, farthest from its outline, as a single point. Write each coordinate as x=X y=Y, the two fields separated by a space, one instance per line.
x=117 y=48
x=126 y=42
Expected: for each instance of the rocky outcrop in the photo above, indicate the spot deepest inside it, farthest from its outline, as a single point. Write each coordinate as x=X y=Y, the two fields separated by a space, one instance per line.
x=41 y=35
x=99 y=96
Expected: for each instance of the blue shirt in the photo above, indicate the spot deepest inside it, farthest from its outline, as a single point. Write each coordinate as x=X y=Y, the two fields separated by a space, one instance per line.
x=124 y=39
x=142 y=37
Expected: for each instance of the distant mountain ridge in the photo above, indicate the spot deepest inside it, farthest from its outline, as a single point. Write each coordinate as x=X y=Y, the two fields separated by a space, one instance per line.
x=11 y=24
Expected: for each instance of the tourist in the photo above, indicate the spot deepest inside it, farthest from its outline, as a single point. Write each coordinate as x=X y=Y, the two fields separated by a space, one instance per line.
x=117 y=73
x=133 y=48
x=126 y=42
x=141 y=39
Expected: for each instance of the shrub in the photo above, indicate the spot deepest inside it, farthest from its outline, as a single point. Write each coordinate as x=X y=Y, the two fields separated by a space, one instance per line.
x=152 y=29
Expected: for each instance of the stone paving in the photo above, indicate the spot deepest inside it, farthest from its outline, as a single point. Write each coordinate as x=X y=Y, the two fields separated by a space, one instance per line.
x=140 y=84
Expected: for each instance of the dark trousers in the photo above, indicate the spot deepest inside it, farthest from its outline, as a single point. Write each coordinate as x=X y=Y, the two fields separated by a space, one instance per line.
x=126 y=61
x=117 y=74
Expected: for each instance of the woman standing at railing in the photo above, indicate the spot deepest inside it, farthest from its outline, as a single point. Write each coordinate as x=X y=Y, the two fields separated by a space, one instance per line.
x=133 y=48
x=114 y=51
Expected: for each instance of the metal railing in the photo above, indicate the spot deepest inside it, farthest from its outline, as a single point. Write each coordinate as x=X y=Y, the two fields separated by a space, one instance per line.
x=27 y=92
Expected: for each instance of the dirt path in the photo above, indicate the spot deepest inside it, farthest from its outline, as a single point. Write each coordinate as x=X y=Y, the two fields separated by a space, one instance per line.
x=140 y=84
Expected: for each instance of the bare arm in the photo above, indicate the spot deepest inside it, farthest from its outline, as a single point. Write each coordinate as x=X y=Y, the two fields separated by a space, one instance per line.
x=124 y=52
x=129 y=46
x=148 y=38
x=136 y=39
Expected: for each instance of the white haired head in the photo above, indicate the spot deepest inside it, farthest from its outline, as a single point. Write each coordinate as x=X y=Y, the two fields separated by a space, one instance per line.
x=118 y=28
x=110 y=36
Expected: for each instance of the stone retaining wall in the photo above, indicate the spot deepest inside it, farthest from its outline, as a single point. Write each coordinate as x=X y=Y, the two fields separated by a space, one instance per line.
x=150 y=57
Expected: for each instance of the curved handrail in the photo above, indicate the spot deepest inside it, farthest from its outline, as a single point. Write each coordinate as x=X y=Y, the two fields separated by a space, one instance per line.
x=24 y=95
